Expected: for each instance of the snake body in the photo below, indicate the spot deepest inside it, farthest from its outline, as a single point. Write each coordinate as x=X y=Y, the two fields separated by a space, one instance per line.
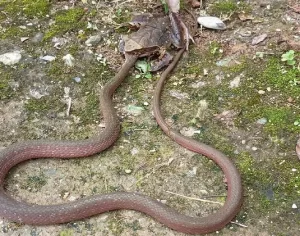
x=23 y=212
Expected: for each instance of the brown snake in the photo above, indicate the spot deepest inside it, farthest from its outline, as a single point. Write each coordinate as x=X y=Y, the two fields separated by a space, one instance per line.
x=54 y=214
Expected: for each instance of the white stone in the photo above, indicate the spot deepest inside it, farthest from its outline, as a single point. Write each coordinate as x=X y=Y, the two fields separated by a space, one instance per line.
x=10 y=58
x=211 y=22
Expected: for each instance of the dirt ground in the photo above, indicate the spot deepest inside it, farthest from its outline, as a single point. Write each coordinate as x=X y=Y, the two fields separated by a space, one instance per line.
x=232 y=91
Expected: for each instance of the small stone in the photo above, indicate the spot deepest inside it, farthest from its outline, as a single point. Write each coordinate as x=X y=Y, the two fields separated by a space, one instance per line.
x=72 y=198
x=262 y=121
x=211 y=22
x=146 y=104
x=235 y=82
x=254 y=148
x=93 y=40
x=261 y=92
x=243 y=141
x=69 y=60
x=268 y=89
x=163 y=201
x=294 y=170
x=38 y=37
x=48 y=58
x=294 y=206
x=77 y=79
x=23 y=39
x=66 y=194
x=178 y=95
x=193 y=172
x=189 y=132
x=134 y=110
x=128 y=171
x=134 y=151
x=258 y=39
x=205 y=72
x=10 y=58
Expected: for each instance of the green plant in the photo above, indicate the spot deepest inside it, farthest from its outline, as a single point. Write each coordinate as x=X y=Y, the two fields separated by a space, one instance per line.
x=144 y=68
x=289 y=57
x=165 y=6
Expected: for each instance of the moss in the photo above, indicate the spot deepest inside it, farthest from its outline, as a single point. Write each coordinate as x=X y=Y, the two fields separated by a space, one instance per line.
x=228 y=7
x=90 y=112
x=5 y=89
x=280 y=119
x=12 y=32
x=35 y=183
x=135 y=225
x=65 y=21
x=28 y=8
x=252 y=174
x=122 y=15
x=36 y=8
x=287 y=174
x=67 y=232
x=116 y=225
x=215 y=49
x=281 y=77
x=43 y=106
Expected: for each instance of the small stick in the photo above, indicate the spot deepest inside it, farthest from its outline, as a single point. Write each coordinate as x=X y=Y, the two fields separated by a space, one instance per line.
x=239 y=224
x=196 y=199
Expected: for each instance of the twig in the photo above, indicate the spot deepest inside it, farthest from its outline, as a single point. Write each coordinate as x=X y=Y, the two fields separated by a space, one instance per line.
x=69 y=106
x=239 y=224
x=196 y=199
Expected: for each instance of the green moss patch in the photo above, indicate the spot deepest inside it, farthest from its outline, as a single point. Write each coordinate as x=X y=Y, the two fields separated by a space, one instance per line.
x=229 y=7
x=28 y=8
x=65 y=21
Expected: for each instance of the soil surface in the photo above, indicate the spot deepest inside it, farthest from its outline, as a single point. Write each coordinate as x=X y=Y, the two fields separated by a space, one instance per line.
x=237 y=89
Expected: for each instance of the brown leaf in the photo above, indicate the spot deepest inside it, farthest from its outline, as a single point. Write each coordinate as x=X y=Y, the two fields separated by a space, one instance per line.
x=245 y=17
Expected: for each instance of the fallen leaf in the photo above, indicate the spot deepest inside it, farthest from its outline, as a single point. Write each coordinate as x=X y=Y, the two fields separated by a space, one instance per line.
x=245 y=17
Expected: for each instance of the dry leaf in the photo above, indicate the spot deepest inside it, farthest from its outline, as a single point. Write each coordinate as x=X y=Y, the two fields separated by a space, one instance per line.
x=244 y=17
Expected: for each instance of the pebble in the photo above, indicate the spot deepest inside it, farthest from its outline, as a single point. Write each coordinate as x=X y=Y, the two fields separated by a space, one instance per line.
x=10 y=58
x=261 y=92
x=294 y=206
x=211 y=22
x=48 y=58
x=134 y=110
x=128 y=171
x=178 y=95
x=262 y=121
x=69 y=60
x=93 y=40
x=23 y=39
x=134 y=151
x=254 y=148
x=77 y=79
x=38 y=37
x=235 y=82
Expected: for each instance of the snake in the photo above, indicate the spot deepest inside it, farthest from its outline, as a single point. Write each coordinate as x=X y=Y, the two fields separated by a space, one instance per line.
x=33 y=214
